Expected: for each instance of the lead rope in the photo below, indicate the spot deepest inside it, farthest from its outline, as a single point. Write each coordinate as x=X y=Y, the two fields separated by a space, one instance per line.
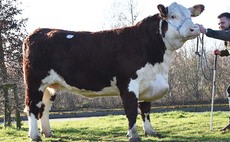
x=203 y=61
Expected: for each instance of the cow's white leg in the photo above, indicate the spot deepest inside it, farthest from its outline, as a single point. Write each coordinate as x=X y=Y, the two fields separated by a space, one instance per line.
x=132 y=133
x=47 y=100
x=147 y=127
x=145 y=108
x=33 y=127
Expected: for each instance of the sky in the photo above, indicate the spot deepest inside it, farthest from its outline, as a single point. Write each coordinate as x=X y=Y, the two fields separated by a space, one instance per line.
x=92 y=15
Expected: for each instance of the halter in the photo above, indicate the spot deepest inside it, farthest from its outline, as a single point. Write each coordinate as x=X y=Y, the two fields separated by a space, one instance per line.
x=179 y=26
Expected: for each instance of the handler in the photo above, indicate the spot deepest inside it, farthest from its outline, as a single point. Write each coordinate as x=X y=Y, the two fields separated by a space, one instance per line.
x=223 y=34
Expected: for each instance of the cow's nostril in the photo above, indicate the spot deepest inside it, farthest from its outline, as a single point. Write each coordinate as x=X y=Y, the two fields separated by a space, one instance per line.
x=191 y=30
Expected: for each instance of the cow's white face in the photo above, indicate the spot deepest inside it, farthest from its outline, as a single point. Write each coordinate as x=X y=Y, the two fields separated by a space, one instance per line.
x=180 y=26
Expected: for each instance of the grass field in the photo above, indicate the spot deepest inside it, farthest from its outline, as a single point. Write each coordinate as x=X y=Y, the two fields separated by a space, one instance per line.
x=175 y=126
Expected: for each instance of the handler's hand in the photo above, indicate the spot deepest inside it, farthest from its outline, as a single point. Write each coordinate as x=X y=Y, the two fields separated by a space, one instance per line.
x=202 y=29
x=217 y=52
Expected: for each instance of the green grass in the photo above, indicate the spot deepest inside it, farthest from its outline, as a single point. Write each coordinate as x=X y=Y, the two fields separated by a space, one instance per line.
x=175 y=126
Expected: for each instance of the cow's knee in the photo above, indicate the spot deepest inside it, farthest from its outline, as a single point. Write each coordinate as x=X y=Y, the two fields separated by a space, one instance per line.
x=144 y=107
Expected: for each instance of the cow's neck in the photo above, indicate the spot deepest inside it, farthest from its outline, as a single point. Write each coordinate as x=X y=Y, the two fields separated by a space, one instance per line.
x=173 y=45
x=155 y=46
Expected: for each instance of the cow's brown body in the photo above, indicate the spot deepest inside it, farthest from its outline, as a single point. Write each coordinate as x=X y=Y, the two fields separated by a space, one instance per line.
x=131 y=62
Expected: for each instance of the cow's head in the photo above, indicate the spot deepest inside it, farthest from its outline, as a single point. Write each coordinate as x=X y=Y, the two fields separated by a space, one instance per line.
x=177 y=26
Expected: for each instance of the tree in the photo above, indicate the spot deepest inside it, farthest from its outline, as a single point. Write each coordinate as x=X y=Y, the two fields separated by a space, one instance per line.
x=123 y=13
x=12 y=33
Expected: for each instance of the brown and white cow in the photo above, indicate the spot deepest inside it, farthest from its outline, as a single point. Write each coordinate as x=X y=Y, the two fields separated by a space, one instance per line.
x=132 y=62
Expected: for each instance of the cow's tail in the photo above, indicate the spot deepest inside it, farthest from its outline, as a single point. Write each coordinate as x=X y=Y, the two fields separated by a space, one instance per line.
x=25 y=49
x=24 y=46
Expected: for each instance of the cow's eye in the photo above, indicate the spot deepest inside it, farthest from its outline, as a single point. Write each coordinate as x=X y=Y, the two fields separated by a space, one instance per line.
x=173 y=17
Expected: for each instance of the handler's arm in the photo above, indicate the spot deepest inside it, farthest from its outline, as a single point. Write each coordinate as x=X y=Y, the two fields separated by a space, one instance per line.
x=219 y=34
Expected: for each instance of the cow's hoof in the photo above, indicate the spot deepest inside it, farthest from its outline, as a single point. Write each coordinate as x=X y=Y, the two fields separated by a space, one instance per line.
x=225 y=128
x=155 y=134
x=36 y=139
x=134 y=139
x=48 y=135
x=158 y=135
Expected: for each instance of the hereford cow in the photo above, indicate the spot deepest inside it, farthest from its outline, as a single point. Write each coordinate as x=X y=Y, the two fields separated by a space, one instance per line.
x=132 y=62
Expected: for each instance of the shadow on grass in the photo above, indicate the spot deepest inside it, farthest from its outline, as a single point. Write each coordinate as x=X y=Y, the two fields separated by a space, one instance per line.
x=85 y=134
x=168 y=136
x=117 y=134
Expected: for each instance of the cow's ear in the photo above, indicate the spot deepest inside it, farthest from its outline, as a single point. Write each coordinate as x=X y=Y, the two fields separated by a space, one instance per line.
x=163 y=10
x=196 y=10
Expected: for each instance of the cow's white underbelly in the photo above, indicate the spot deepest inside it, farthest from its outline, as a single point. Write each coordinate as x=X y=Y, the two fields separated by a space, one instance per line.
x=61 y=85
